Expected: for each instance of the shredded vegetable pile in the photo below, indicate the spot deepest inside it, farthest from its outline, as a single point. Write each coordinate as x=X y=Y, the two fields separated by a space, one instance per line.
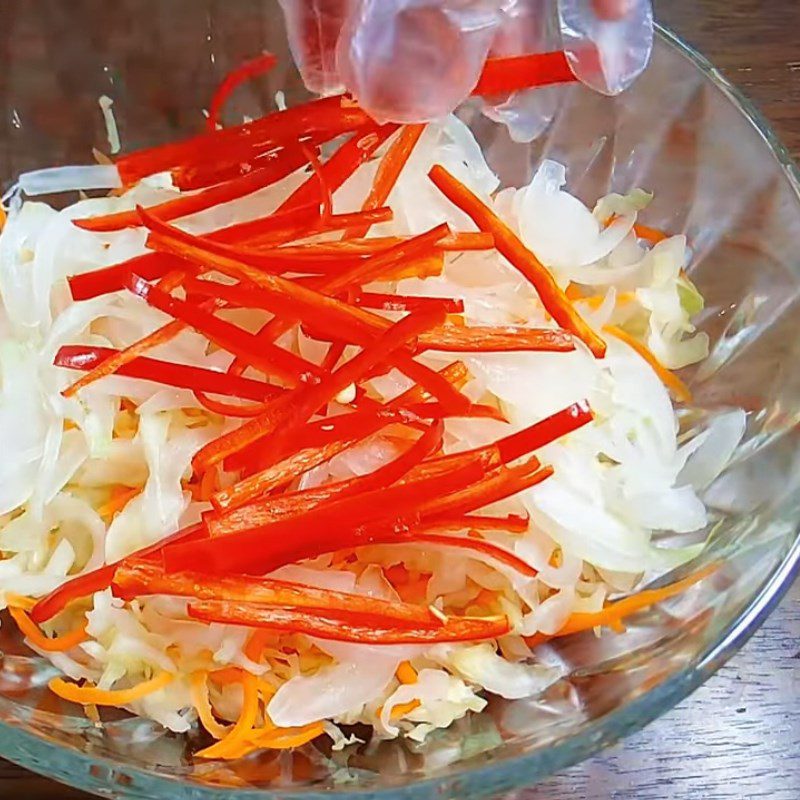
x=307 y=424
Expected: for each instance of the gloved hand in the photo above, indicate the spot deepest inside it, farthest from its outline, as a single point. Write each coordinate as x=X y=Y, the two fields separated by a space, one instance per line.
x=414 y=60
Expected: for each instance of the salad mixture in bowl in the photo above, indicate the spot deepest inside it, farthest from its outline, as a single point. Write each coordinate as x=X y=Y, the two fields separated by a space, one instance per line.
x=308 y=429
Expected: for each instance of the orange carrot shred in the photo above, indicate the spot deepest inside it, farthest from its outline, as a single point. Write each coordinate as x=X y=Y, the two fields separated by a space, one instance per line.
x=120 y=497
x=652 y=235
x=678 y=388
x=108 y=697
x=243 y=726
x=405 y=673
x=32 y=633
x=613 y=614
x=198 y=684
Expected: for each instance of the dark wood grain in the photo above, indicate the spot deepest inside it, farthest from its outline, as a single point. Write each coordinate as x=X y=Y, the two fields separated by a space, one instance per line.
x=739 y=735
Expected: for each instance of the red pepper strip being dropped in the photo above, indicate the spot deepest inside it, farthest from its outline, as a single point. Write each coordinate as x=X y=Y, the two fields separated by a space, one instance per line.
x=385 y=475
x=284 y=163
x=85 y=358
x=331 y=115
x=347 y=522
x=244 y=72
x=100 y=579
x=399 y=302
x=340 y=166
x=512 y=73
x=508 y=244
x=269 y=359
x=326 y=626
x=508 y=338
x=140 y=578
x=303 y=403
x=278 y=295
x=388 y=172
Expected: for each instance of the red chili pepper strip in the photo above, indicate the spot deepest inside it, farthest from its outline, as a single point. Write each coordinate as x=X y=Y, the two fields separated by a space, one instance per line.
x=251 y=541
x=509 y=245
x=271 y=294
x=475 y=546
x=154 y=265
x=498 y=485
x=438 y=411
x=99 y=579
x=512 y=523
x=388 y=172
x=279 y=474
x=304 y=403
x=365 y=272
x=399 y=302
x=269 y=359
x=325 y=189
x=453 y=242
x=333 y=356
x=86 y=358
x=140 y=578
x=269 y=230
x=368 y=630
x=515 y=445
x=508 y=338
x=305 y=459
x=340 y=166
x=310 y=399
x=512 y=73
x=278 y=295
x=244 y=72
x=230 y=409
x=116 y=362
x=302 y=501
x=541 y=433
x=329 y=115
x=284 y=163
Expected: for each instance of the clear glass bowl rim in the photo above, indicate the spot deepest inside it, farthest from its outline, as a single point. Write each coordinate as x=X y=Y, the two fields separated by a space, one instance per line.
x=75 y=768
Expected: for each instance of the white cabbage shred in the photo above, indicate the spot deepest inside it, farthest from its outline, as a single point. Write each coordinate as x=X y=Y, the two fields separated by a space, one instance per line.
x=616 y=482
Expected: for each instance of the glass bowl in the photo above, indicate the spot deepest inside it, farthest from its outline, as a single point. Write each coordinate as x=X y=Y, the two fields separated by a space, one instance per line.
x=719 y=175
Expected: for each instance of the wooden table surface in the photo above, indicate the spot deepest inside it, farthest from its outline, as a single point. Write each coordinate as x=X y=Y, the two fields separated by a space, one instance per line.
x=738 y=736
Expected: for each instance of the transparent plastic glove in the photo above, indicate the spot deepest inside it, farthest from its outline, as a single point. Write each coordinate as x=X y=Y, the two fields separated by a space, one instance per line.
x=607 y=42
x=415 y=60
